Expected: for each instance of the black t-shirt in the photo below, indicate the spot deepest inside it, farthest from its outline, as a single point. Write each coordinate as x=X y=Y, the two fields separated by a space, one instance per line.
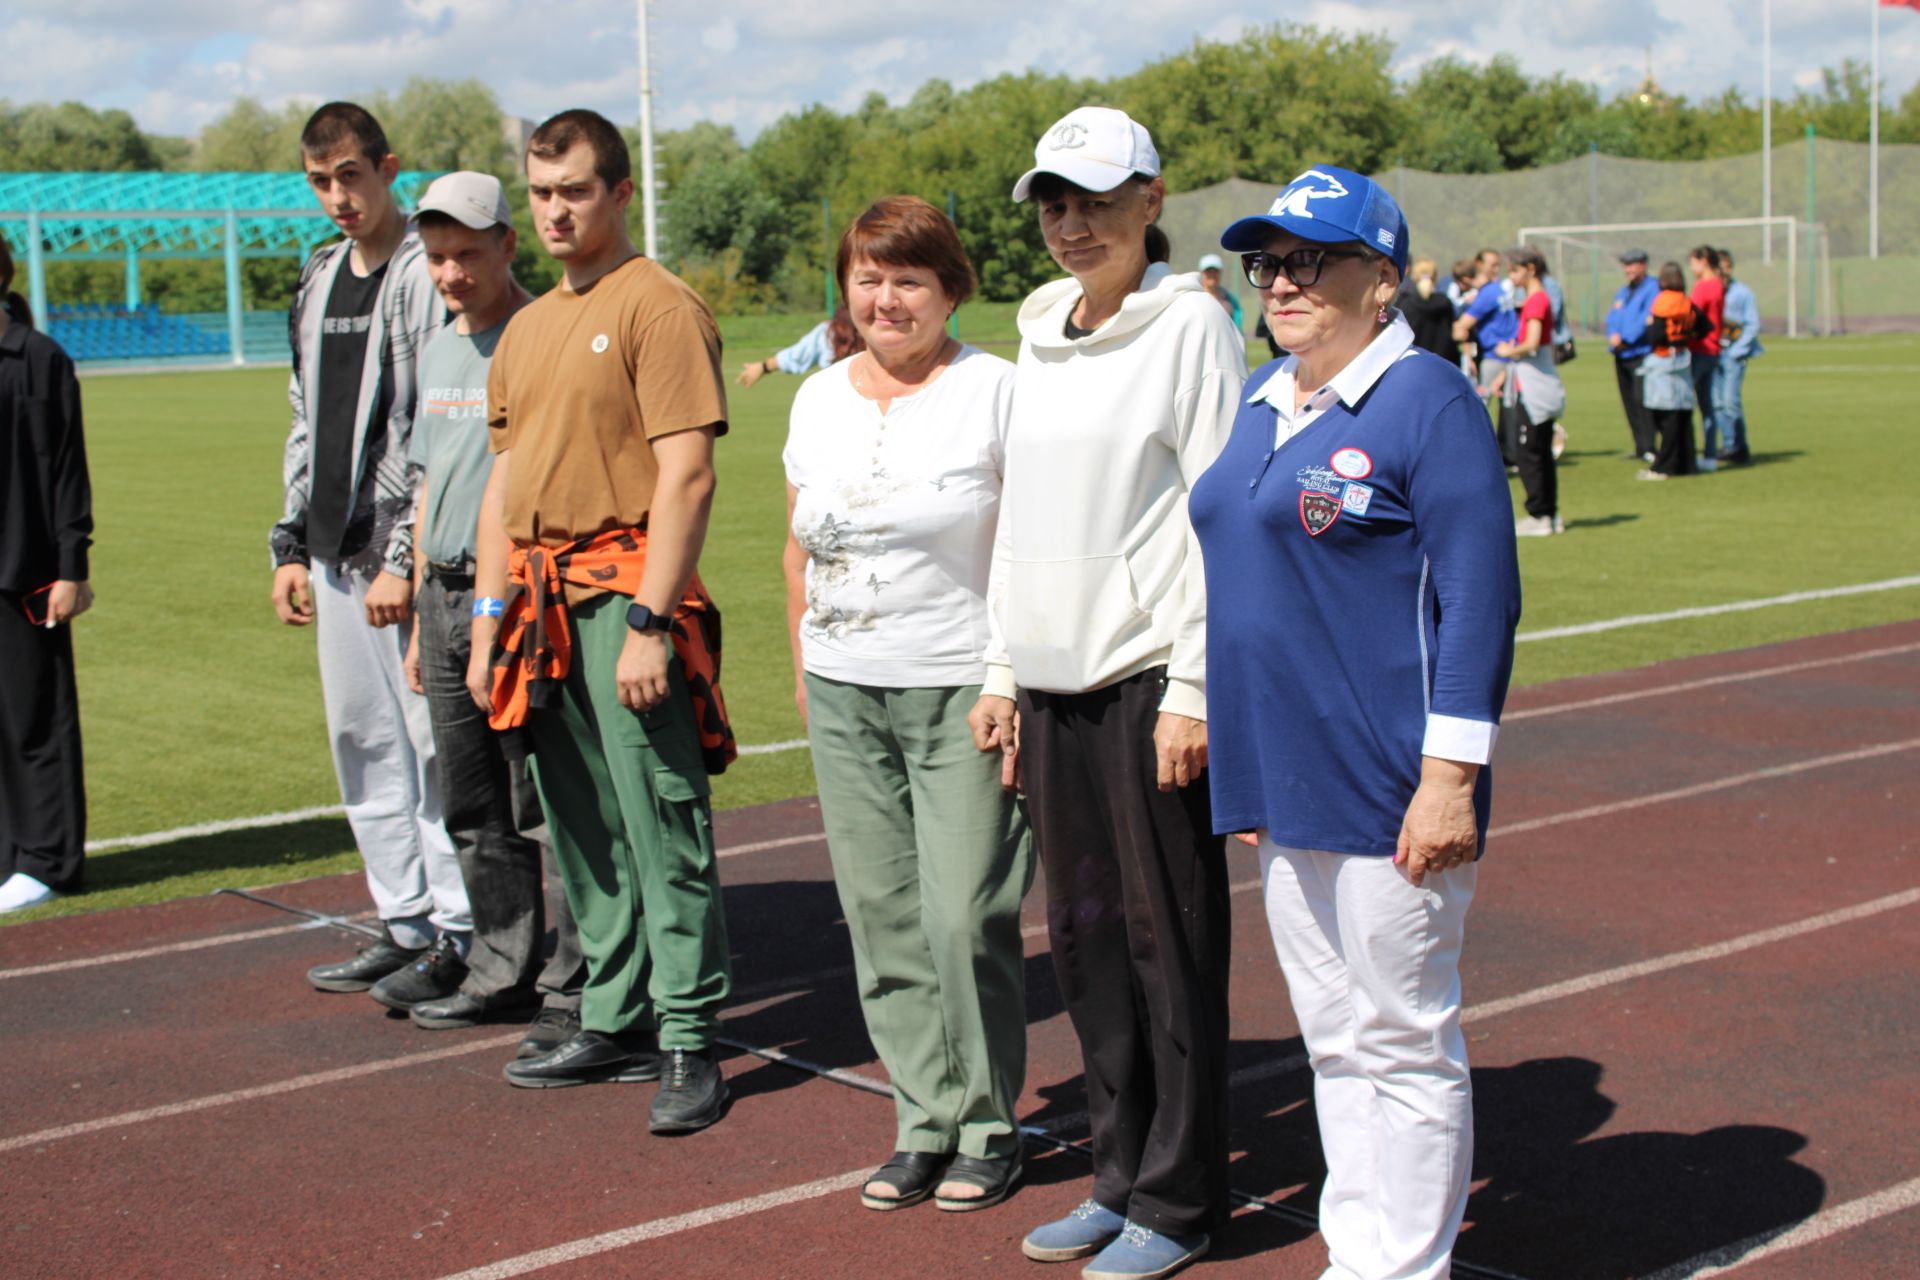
x=333 y=531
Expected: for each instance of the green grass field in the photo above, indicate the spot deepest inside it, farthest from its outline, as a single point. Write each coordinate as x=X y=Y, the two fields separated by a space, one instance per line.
x=199 y=706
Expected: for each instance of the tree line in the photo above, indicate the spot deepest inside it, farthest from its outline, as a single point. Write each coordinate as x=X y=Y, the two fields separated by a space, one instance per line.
x=751 y=224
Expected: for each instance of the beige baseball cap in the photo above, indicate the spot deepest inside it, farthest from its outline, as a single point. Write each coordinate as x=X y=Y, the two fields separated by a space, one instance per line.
x=1097 y=148
x=474 y=200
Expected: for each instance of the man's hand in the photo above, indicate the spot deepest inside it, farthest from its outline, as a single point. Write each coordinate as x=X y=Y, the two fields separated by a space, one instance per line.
x=1439 y=830
x=480 y=663
x=68 y=600
x=410 y=665
x=1614 y=342
x=751 y=372
x=641 y=674
x=995 y=722
x=1180 y=748
x=293 y=595
x=389 y=600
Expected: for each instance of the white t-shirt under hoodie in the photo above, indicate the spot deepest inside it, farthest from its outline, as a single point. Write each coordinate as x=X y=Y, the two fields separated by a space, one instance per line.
x=896 y=513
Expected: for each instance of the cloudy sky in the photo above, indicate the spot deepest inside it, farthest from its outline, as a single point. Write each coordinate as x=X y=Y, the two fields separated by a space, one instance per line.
x=177 y=64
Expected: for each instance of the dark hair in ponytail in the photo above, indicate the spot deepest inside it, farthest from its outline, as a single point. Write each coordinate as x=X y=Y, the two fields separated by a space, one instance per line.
x=16 y=306
x=1159 y=248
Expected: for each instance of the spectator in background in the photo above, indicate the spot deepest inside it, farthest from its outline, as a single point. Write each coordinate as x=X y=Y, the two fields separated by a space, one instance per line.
x=894 y=464
x=1559 y=343
x=1460 y=287
x=1532 y=397
x=1488 y=321
x=1428 y=311
x=1627 y=338
x=1211 y=269
x=828 y=342
x=1666 y=376
x=1709 y=298
x=46 y=527
x=363 y=311
x=1739 y=343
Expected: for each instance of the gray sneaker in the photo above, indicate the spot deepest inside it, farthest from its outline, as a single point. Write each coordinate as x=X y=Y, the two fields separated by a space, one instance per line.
x=692 y=1094
x=1535 y=527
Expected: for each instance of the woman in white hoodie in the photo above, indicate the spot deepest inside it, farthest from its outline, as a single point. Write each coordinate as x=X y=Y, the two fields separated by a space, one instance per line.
x=1126 y=387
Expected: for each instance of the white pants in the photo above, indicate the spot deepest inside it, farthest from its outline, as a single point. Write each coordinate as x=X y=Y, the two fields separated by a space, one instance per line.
x=382 y=741
x=1373 y=968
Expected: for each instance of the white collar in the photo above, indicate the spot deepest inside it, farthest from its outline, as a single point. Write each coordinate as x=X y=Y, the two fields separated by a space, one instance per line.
x=1350 y=383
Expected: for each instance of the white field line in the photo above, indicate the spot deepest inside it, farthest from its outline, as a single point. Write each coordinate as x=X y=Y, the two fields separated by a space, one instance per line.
x=151 y=838
x=1707 y=682
x=574 y=1250
x=1714 y=610
x=174 y=948
x=1828 y=1222
x=1702 y=788
x=292 y=1085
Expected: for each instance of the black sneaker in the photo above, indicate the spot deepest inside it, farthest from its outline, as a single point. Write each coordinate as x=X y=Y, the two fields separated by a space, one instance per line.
x=369 y=964
x=463 y=1010
x=435 y=975
x=692 y=1094
x=550 y=1029
x=590 y=1057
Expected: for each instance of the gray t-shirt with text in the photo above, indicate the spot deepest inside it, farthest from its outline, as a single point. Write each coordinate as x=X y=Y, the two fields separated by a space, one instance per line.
x=450 y=439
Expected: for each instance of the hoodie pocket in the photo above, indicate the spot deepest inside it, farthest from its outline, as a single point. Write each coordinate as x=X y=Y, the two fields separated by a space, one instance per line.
x=1067 y=618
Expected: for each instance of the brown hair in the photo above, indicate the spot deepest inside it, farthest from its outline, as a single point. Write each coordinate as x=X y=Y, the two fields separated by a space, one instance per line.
x=1672 y=278
x=15 y=305
x=906 y=231
x=1527 y=256
x=842 y=336
x=1707 y=254
x=560 y=134
x=341 y=124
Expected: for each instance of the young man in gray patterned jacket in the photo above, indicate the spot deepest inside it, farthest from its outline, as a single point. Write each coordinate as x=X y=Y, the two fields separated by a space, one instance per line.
x=343 y=550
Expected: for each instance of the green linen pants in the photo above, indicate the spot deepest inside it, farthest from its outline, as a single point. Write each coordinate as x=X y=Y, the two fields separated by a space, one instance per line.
x=931 y=859
x=625 y=796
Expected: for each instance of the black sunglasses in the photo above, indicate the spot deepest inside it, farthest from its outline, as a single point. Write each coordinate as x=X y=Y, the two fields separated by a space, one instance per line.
x=1302 y=266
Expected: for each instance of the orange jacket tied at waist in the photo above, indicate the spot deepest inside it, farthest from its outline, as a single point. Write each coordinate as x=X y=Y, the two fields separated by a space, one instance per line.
x=535 y=645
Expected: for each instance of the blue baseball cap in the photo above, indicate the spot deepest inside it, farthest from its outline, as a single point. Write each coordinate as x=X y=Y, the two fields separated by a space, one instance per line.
x=1330 y=205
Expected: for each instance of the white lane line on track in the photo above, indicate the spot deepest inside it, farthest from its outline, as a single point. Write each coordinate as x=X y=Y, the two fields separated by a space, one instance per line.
x=146 y=953
x=294 y=1085
x=1708 y=682
x=574 y=1250
x=1715 y=610
x=1703 y=788
x=1828 y=1222
x=152 y=838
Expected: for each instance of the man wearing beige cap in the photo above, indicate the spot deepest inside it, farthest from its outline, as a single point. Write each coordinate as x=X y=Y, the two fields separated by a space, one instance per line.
x=492 y=810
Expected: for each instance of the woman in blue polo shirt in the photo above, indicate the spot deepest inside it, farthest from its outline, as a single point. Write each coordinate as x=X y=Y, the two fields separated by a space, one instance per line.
x=1362 y=594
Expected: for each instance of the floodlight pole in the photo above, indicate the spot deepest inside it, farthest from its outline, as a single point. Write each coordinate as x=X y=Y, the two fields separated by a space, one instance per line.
x=1766 y=125
x=648 y=213
x=1873 y=144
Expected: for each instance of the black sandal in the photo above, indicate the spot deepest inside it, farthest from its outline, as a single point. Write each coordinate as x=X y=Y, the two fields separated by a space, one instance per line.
x=914 y=1174
x=996 y=1176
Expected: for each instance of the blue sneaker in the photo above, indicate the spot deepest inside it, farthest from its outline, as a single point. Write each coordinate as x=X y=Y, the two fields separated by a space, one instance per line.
x=1140 y=1254
x=1080 y=1234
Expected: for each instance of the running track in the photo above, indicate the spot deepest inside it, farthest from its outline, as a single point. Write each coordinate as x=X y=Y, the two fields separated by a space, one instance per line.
x=1690 y=1009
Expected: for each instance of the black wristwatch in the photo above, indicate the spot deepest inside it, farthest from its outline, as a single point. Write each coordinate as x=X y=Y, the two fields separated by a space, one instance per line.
x=641 y=618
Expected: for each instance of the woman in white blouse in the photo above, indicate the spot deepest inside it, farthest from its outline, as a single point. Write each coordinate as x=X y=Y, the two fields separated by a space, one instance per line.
x=893 y=467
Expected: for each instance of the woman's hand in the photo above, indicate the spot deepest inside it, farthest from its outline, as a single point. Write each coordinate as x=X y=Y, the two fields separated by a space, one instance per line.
x=410 y=665
x=1504 y=349
x=1440 y=830
x=800 y=699
x=1179 y=748
x=68 y=600
x=995 y=722
x=751 y=372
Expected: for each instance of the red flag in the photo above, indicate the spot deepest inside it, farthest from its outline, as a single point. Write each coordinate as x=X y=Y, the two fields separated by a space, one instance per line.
x=1900 y=4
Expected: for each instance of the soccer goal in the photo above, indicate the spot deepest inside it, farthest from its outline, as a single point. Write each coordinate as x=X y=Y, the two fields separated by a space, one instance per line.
x=1794 y=287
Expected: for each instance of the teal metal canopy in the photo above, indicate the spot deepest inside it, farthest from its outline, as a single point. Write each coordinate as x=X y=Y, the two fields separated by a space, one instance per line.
x=127 y=217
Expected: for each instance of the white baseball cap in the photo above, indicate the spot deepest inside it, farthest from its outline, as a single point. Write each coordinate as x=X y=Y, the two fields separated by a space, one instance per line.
x=1211 y=262
x=474 y=200
x=1097 y=148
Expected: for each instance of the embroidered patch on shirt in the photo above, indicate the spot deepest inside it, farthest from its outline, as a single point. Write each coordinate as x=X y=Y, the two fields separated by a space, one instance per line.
x=599 y=343
x=1317 y=478
x=1356 y=498
x=1318 y=511
x=1352 y=463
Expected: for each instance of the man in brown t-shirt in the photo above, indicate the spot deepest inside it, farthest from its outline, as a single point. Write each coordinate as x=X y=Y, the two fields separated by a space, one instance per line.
x=604 y=400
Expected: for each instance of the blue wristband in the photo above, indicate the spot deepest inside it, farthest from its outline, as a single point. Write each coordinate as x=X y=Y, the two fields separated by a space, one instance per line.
x=488 y=606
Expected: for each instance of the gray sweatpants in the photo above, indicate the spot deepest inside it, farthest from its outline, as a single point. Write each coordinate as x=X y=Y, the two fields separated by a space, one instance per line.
x=381 y=735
